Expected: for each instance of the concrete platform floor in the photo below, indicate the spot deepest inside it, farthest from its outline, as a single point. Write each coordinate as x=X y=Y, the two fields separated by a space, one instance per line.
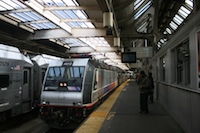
x=120 y=114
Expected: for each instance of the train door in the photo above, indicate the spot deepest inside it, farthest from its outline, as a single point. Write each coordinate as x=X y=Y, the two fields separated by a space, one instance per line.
x=42 y=75
x=43 y=70
x=96 y=91
x=26 y=90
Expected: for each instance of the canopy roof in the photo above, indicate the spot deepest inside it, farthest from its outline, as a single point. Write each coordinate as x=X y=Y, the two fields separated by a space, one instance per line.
x=65 y=27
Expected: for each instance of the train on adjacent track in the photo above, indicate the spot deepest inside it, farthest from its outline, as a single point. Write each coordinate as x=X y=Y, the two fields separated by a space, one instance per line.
x=21 y=81
x=74 y=87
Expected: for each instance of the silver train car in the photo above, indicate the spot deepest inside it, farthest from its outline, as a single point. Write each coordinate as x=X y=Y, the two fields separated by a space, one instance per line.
x=72 y=88
x=16 y=70
x=21 y=81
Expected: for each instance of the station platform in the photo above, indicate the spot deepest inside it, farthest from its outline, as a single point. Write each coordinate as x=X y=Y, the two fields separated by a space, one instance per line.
x=119 y=113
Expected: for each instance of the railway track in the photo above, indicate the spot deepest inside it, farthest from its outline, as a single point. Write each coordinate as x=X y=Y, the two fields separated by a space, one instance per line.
x=28 y=123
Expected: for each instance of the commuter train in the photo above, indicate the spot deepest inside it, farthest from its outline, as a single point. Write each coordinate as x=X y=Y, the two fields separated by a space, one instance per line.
x=21 y=81
x=73 y=87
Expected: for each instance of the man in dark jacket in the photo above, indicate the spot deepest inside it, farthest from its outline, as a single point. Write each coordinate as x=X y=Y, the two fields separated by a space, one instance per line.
x=151 y=87
x=144 y=88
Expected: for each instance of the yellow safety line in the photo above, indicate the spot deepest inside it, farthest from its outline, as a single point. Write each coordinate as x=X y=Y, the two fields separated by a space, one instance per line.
x=96 y=119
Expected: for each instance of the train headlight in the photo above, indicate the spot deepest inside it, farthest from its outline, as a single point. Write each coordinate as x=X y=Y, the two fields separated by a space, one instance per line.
x=62 y=84
x=45 y=102
x=77 y=103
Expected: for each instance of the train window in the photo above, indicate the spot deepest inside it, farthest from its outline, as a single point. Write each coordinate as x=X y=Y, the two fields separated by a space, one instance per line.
x=82 y=69
x=76 y=71
x=4 y=81
x=59 y=71
x=55 y=72
x=64 y=79
x=25 y=78
x=50 y=73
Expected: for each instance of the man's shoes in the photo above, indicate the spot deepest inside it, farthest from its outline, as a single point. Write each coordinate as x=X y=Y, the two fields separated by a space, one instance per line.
x=145 y=112
x=141 y=111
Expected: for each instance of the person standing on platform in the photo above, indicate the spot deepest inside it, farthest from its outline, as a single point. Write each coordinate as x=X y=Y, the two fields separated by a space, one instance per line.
x=152 y=88
x=144 y=88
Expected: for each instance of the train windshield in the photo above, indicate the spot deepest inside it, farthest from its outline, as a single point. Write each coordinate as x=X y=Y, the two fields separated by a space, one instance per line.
x=64 y=78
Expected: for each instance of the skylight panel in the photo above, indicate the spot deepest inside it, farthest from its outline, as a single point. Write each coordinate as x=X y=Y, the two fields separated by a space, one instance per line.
x=48 y=14
x=48 y=2
x=178 y=19
x=99 y=41
x=61 y=14
x=73 y=42
x=158 y=44
x=19 y=3
x=183 y=12
x=82 y=24
x=48 y=26
x=189 y=3
x=89 y=24
x=59 y=2
x=31 y=15
x=6 y=5
x=168 y=31
x=80 y=14
x=71 y=13
x=165 y=32
x=43 y=26
x=70 y=3
x=42 y=2
x=73 y=24
x=173 y=25
x=162 y=41
x=36 y=26
x=137 y=3
x=142 y=26
x=92 y=41
x=142 y=10
x=2 y=9
x=11 y=3
x=53 y=26
x=18 y=17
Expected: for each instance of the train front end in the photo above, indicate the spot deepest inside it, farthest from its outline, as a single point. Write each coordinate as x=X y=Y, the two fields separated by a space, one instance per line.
x=61 y=96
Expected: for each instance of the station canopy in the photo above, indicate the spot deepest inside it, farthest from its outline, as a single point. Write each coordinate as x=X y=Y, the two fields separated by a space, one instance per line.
x=67 y=27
